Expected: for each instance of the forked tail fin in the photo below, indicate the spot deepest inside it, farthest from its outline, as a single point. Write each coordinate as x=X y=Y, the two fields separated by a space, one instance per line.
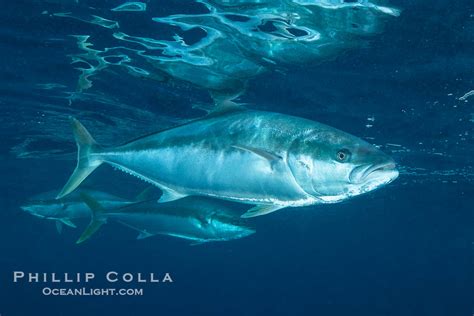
x=86 y=160
x=97 y=218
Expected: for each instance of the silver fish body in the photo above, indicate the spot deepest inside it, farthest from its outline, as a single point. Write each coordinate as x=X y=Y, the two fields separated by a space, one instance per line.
x=45 y=205
x=219 y=157
x=254 y=157
x=199 y=219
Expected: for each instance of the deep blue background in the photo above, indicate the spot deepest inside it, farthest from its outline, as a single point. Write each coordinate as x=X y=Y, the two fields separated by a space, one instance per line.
x=403 y=250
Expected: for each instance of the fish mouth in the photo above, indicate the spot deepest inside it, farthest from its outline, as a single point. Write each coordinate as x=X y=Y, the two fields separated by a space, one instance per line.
x=32 y=211
x=378 y=169
x=367 y=173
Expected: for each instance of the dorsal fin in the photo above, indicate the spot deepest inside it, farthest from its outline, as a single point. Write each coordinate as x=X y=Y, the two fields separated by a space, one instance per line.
x=221 y=108
x=225 y=107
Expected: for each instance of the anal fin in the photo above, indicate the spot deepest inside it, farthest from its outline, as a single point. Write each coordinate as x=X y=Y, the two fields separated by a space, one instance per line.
x=260 y=210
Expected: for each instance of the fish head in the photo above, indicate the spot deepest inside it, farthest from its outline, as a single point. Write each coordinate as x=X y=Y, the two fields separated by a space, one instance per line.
x=44 y=208
x=224 y=227
x=332 y=165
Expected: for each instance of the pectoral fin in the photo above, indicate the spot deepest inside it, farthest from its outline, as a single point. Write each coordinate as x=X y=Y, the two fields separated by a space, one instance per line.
x=271 y=157
x=260 y=210
x=68 y=222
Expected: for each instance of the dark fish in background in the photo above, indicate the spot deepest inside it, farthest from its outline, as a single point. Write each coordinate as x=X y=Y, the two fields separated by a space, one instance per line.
x=71 y=207
x=199 y=219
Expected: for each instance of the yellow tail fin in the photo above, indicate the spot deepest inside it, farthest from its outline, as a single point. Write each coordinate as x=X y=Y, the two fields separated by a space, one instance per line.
x=87 y=160
x=97 y=217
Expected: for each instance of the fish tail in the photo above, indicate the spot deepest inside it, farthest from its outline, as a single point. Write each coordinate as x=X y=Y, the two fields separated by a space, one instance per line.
x=97 y=218
x=87 y=160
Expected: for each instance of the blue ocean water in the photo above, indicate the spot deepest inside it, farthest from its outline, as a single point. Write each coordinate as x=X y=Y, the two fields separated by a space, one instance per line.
x=396 y=73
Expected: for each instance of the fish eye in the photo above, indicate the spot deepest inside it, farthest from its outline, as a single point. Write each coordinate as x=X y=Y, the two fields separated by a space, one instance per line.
x=343 y=155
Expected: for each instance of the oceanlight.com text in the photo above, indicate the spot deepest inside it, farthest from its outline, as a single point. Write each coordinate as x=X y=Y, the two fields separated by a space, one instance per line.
x=47 y=291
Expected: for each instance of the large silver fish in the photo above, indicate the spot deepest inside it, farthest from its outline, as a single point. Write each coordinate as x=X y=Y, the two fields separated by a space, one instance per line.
x=71 y=207
x=263 y=158
x=199 y=219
